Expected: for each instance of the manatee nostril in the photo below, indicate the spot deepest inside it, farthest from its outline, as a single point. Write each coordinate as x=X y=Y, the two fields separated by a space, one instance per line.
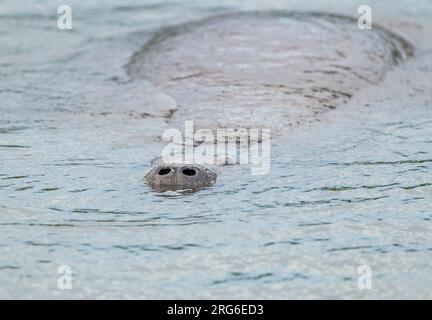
x=189 y=171
x=164 y=171
x=172 y=177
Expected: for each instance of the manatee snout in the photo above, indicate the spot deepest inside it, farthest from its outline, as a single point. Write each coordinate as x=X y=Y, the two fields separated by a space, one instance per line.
x=173 y=177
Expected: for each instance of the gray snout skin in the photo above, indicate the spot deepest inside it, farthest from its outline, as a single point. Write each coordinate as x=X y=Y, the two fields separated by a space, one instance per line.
x=172 y=177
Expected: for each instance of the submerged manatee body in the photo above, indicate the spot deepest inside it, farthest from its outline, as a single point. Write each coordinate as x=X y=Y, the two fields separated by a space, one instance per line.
x=267 y=69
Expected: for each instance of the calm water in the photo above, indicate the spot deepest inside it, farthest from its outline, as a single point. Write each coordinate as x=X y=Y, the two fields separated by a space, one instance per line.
x=352 y=189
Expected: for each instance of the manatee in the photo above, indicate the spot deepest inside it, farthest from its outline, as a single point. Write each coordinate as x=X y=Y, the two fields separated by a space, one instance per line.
x=273 y=70
x=265 y=69
x=165 y=177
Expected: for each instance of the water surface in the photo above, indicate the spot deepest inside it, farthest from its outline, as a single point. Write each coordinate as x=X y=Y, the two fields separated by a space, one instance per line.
x=351 y=189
